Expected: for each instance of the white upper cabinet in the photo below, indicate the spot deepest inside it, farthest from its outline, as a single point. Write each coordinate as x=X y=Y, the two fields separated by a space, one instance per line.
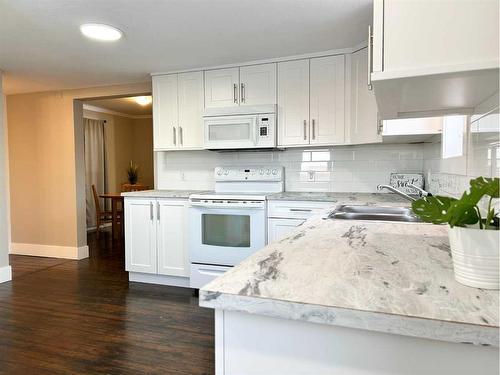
x=177 y=111
x=434 y=57
x=311 y=101
x=165 y=111
x=173 y=256
x=363 y=126
x=258 y=84
x=247 y=85
x=293 y=103
x=222 y=88
x=327 y=100
x=190 y=99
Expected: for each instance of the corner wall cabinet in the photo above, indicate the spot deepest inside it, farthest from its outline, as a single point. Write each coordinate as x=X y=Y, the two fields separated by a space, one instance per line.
x=311 y=101
x=363 y=126
x=246 y=85
x=424 y=50
x=156 y=238
x=178 y=111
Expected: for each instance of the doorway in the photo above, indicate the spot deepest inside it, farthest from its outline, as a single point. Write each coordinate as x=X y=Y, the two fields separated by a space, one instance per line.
x=118 y=153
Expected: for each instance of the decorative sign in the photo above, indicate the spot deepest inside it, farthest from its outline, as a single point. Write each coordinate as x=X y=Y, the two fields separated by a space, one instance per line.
x=401 y=181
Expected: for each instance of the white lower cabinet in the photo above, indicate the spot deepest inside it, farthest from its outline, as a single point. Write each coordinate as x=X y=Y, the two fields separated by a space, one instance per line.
x=173 y=257
x=140 y=236
x=279 y=228
x=284 y=216
x=155 y=238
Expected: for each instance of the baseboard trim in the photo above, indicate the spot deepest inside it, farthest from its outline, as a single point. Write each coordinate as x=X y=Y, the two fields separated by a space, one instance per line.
x=51 y=251
x=5 y=274
x=158 y=279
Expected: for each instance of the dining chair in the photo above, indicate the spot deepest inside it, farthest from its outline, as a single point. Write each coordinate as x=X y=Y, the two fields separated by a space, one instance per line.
x=102 y=216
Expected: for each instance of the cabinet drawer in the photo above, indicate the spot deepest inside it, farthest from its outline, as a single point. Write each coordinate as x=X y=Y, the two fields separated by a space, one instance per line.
x=296 y=209
x=202 y=274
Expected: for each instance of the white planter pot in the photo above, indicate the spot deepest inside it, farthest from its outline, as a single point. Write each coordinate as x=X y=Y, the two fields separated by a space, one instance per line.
x=475 y=254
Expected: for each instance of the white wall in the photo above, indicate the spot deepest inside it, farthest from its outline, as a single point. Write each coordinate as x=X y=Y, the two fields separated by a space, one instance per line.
x=339 y=169
x=481 y=153
x=5 y=272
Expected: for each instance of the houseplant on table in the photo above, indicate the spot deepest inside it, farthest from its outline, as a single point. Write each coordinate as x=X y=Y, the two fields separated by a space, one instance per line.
x=473 y=231
x=132 y=173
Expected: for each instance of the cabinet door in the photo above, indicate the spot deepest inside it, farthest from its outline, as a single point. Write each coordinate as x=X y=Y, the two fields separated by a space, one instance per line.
x=279 y=228
x=140 y=235
x=190 y=94
x=363 y=127
x=327 y=100
x=173 y=256
x=293 y=103
x=258 y=84
x=165 y=112
x=222 y=88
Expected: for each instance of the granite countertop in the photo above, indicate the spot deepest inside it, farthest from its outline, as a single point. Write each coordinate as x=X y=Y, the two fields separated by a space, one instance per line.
x=162 y=193
x=341 y=198
x=386 y=277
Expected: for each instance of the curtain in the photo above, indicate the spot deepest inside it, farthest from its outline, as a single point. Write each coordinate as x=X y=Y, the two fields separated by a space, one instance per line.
x=95 y=165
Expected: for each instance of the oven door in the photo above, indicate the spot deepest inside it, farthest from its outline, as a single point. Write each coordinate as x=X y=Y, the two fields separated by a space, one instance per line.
x=230 y=132
x=225 y=236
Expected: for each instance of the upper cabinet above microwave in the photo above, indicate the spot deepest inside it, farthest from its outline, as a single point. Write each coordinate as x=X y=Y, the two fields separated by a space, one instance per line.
x=433 y=57
x=246 y=85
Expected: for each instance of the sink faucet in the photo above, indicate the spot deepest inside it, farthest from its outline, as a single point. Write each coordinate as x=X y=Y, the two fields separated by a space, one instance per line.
x=421 y=192
x=398 y=192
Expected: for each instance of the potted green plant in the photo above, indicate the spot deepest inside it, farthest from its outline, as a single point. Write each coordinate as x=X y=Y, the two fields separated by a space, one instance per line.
x=132 y=173
x=473 y=232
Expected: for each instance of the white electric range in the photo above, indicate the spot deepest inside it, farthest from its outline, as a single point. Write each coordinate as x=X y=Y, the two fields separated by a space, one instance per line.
x=228 y=225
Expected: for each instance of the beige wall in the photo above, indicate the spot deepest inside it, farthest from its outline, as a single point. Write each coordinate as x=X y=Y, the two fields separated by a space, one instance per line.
x=4 y=216
x=126 y=139
x=47 y=185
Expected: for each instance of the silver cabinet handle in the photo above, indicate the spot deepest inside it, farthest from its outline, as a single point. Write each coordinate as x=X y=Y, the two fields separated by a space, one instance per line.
x=235 y=92
x=305 y=130
x=175 y=137
x=158 y=211
x=151 y=211
x=370 y=42
x=313 y=129
x=301 y=209
x=181 y=141
x=380 y=126
x=242 y=92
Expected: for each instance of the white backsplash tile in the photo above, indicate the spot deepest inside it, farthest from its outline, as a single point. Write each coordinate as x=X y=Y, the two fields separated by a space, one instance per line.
x=339 y=169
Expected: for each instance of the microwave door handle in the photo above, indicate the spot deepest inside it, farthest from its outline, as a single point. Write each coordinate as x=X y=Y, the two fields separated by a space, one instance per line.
x=256 y=131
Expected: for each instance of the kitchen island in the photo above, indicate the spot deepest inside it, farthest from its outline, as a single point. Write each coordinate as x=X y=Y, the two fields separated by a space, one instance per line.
x=353 y=297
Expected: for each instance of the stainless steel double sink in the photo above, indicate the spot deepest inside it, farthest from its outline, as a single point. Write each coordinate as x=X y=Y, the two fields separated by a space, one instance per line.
x=378 y=213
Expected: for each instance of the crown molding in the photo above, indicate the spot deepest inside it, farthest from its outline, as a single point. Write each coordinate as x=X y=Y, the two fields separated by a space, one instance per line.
x=94 y=108
x=343 y=51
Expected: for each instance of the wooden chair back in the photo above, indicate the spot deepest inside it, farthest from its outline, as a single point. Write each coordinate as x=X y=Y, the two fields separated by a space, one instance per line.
x=96 y=200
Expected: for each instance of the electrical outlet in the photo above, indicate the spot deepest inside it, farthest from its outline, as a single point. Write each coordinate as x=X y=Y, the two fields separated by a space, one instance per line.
x=183 y=176
x=311 y=175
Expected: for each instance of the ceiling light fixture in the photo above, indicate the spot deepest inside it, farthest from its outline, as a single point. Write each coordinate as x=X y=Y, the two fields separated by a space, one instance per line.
x=143 y=100
x=99 y=31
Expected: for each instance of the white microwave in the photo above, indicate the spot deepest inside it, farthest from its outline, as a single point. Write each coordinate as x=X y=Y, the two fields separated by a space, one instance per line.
x=239 y=131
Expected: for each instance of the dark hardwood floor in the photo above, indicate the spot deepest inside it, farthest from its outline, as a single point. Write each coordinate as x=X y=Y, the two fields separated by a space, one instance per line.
x=83 y=317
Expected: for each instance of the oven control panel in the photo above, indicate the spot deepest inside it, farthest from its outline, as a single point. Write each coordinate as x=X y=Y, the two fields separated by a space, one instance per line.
x=263 y=173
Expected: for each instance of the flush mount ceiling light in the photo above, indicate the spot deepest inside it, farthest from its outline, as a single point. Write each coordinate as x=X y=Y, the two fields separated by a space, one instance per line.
x=142 y=100
x=99 y=31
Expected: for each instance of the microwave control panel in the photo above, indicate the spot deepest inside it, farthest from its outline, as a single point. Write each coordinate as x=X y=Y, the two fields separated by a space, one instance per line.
x=266 y=125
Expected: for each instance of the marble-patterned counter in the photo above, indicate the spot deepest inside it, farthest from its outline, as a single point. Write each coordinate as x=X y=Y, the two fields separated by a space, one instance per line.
x=162 y=193
x=386 y=277
x=340 y=198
